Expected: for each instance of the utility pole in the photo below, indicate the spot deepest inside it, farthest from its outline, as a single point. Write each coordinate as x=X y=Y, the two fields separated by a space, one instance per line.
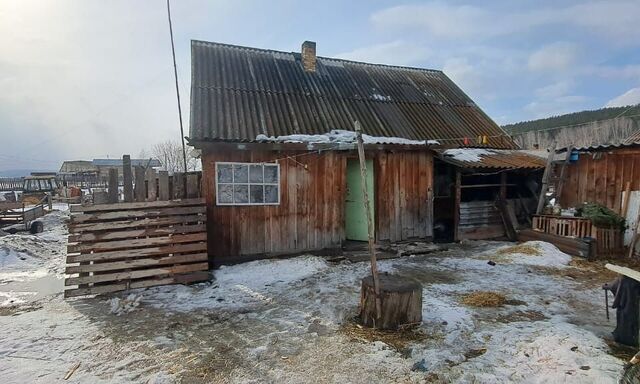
x=175 y=73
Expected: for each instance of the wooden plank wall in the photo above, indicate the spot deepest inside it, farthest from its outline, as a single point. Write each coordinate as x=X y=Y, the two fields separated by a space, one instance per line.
x=600 y=177
x=404 y=185
x=479 y=220
x=114 y=247
x=310 y=215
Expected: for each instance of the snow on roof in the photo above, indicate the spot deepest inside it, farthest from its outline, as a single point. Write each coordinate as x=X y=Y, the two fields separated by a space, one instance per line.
x=343 y=136
x=492 y=158
x=472 y=155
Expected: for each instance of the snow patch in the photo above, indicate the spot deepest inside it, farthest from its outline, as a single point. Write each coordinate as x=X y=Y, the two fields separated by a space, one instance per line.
x=120 y=306
x=549 y=255
x=340 y=136
x=471 y=155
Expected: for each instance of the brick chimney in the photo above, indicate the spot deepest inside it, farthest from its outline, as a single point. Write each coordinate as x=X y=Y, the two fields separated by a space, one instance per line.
x=309 y=56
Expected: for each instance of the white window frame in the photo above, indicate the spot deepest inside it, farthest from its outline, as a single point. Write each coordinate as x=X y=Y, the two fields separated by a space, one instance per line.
x=249 y=183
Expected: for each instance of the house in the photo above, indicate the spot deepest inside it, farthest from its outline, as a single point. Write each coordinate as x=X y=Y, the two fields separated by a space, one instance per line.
x=601 y=173
x=100 y=167
x=280 y=170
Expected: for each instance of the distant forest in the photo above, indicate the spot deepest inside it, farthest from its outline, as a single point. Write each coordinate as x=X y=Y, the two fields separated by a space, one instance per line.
x=572 y=119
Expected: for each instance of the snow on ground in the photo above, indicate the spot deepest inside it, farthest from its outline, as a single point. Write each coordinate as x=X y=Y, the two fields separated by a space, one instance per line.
x=23 y=255
x=284 y=321
x=343 y=136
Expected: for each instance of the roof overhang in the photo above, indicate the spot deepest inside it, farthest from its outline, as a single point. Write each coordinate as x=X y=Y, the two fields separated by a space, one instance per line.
x=493 y=159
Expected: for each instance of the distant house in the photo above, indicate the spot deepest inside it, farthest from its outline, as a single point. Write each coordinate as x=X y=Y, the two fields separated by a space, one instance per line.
x=280 y=170
x=100 y=167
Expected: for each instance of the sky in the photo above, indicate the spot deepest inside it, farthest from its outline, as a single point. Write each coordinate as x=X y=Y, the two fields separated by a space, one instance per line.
x=83 y=79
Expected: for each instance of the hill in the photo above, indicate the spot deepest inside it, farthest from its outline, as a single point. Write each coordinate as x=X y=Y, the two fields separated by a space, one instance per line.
x=572 y=119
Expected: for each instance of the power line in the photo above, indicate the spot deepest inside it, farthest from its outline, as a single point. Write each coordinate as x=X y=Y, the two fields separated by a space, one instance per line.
x=175 y=72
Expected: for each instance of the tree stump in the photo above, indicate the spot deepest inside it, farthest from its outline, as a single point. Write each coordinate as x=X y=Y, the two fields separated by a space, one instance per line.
x=401 y=302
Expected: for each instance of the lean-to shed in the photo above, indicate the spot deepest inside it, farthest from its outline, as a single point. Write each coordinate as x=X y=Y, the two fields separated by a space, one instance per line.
x=280 y=170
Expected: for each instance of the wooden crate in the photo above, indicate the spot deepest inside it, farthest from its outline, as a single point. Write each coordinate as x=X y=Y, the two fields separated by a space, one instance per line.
x=115 y=247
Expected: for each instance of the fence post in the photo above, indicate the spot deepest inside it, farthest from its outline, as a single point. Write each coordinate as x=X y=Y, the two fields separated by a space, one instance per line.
x=127 y=178
x=151 y=185
x=139 y=188
x=192 y=186
x=113 y=186
x=178 y=185
x=163 y=185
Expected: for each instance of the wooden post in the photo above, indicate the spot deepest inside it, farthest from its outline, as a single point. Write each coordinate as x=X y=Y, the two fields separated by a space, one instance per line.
x=625 y=202
x=127 y=178
x=112 y=197
x=192 y=186
x=365 y=194
x=139 y=189
x=545 y=179
x=163 y=185
x=178 y=185
x=456 y=208
x=152 y=189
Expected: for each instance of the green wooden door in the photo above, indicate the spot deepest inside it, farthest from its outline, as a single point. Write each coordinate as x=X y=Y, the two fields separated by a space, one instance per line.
x=355 y=214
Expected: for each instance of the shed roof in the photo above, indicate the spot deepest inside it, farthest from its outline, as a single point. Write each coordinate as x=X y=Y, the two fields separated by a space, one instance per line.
x=238 y=93
x=493 y=158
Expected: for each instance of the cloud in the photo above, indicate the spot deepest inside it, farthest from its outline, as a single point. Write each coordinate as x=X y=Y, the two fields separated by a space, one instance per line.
x=608 y=19
x=554 y=90
x=631 y=97
x=557 y=56
x=556 y=106
x=396 y=52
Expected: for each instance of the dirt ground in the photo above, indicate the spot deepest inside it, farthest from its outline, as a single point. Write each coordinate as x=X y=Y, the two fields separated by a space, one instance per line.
x=291 y=321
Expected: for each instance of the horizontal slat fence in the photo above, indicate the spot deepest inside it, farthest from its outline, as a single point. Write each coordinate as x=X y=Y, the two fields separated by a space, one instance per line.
x=115 y=247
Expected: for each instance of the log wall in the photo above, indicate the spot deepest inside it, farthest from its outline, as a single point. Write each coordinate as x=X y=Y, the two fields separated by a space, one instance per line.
x=600 y=176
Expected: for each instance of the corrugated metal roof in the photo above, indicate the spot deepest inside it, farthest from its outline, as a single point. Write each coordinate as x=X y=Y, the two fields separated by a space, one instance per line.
x=634 y=138
x=239 y=92
x=493 y=158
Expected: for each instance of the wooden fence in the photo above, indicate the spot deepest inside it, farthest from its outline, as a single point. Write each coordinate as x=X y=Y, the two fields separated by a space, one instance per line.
x=609 y=242
x=115 y=247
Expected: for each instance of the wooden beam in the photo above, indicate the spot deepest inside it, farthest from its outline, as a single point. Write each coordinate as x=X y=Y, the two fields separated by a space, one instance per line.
x=141 y=205
x=456 y=208
x=139 y=189
x=137 y=263
x=545 y=179
x=152 y=186
x=193 y=189
x=624 y=271
x=112 y=196
x=625 y=202
x=178 y=185
x=138 y=253
x=127 y=177
x=163 y=185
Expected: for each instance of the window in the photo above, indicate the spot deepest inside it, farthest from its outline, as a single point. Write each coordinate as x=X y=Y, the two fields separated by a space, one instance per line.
x=247 y=183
